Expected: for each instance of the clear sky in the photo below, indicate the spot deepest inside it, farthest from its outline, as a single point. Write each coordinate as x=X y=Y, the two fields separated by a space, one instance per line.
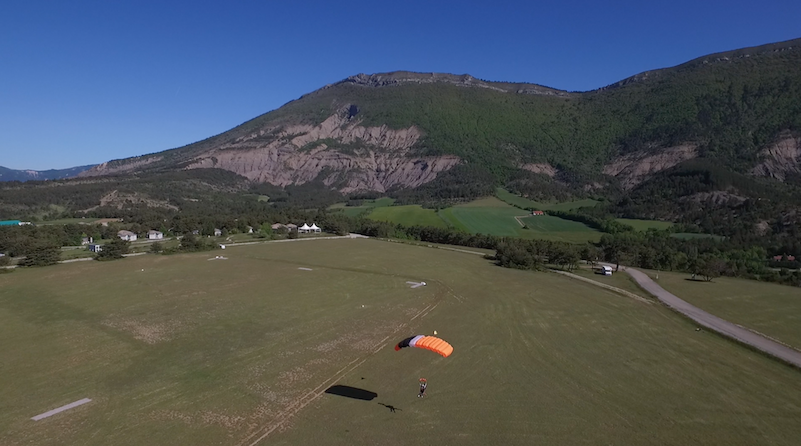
x=86 y=82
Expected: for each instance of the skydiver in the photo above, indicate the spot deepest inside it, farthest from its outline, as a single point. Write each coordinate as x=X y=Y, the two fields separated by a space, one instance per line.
x=423 y=385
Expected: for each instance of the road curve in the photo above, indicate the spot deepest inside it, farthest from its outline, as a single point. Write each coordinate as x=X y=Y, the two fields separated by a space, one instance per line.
x=712 y=322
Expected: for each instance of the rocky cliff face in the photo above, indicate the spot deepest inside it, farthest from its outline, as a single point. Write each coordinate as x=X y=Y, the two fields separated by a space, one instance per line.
x=780 y=158
x=339 y=151
x=634 y=168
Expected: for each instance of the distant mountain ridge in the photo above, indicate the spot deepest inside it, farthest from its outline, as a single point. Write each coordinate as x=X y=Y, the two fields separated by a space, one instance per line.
x=389 y=131
x=7 y=174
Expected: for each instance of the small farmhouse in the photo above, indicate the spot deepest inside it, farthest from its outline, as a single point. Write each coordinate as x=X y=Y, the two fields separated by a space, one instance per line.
x=126 y=235
x=155 y=235
x=217 y=232
x=292 y=227
x=537 y=213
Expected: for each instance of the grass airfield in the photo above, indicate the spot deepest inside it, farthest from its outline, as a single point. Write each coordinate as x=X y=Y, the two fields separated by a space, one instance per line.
x=240 y=351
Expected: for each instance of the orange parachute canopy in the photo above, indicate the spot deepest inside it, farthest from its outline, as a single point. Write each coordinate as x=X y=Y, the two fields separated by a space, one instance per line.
x=432 y=343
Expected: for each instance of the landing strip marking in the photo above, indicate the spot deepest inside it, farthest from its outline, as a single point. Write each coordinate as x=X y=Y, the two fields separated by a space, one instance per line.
x=60 y=409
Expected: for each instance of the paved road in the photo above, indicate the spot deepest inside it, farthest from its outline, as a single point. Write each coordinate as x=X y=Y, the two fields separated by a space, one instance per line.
x=712 y=322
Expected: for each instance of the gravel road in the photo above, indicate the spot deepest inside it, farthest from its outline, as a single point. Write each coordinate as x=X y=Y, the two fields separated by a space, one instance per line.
x=715 y=323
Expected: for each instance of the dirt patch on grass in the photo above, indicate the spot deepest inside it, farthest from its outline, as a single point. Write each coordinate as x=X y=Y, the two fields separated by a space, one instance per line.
x=147 y=332
x=204 y=418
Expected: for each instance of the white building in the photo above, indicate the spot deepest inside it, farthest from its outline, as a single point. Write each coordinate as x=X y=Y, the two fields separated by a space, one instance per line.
x=126 y=235
x=304 y=229
x=314 y=228
x=154 y=235
x=217 y=232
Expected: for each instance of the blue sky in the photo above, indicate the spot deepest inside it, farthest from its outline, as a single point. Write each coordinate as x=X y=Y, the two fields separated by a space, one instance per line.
x=87 y=82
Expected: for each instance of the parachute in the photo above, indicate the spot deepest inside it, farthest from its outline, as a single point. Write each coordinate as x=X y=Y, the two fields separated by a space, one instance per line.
x=432 y=343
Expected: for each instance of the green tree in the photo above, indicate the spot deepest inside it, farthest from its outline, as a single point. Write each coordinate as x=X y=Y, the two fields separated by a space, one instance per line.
x=266 y=230
x=711 y=266
x=114 y=249
x=42 y=255
x=156 y=247
x=192 y=243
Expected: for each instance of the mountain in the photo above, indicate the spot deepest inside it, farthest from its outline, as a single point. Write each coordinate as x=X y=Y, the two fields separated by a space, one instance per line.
x=7 y=174
x=398 y=130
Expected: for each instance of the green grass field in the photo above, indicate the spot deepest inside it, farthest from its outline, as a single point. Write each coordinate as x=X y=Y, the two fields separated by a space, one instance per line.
x=617 y=279
x=409 y=215
x=493 y=216
x=644 y=225
x=690 y=235
x=516 y=200
x=365 y=208
x=240 y=351
x=65 y=221
x=771 y=309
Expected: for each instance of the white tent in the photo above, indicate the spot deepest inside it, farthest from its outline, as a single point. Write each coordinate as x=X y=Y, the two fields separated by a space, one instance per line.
x=314 y=228
x=304 y=228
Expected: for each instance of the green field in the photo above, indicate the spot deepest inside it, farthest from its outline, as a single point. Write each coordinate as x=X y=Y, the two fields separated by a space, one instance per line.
x=494 y=217
x=366 y=207
x=644 y=225
x=65 y=221
x=691 y=235
x=517 y=200
x=240 y=352
x=617 y=279
x=771 y=309
x=409 y=215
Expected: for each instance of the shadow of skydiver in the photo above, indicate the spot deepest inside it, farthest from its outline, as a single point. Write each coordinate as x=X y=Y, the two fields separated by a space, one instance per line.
x=351 y=392
x=390 y=407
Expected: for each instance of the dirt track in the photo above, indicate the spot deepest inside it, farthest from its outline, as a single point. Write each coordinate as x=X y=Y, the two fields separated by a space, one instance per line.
x=715 y=323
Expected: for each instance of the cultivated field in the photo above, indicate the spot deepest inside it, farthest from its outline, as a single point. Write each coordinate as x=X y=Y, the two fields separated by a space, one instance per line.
x=644 y=225
x=523 y=202
x=493 y=216
x=240 y=352
x=771 y=309
x=690 y=235
x=409 y=215
x=366 y=207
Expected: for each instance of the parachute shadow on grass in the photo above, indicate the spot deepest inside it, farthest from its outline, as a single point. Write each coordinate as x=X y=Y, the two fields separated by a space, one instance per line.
x=351 y=392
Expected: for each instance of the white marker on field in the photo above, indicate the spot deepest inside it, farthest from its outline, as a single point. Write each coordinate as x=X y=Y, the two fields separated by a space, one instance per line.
x=416 y=284
x=305 y=269
x=60 y=409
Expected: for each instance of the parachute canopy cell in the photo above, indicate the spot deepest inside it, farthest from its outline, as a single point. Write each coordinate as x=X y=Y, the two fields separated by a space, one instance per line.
x=432 y=343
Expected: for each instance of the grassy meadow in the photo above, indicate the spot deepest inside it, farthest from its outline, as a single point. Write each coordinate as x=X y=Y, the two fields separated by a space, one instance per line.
x=690 y=235
x=186 y=350
x=771 y=309
x=409 y=215
x=644 y=225
x=493 y=216
x=517 y=200
x=367 y=206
